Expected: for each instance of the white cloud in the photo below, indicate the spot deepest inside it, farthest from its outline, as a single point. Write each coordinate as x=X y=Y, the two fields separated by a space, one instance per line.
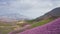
x=31 y=8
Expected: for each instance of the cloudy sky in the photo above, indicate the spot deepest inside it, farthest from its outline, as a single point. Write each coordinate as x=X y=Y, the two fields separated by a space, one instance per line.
x=29 y=8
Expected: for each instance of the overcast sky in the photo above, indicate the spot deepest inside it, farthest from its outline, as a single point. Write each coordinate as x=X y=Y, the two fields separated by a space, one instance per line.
x=29 y=8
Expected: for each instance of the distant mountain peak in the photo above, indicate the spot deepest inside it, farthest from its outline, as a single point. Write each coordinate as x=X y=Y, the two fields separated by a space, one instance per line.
x=54 y=13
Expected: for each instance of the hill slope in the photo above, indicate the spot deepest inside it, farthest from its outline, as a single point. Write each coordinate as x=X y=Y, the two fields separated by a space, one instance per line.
x=50 y=28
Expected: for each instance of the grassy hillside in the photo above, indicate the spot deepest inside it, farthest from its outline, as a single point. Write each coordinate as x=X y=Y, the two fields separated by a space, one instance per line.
x=41 y=22
x=5 y=30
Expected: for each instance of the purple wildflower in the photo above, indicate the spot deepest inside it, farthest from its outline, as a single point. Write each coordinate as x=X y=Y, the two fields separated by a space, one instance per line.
x=49 y=28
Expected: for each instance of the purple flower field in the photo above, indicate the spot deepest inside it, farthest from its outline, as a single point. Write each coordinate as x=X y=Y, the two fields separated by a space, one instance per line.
x=49 y=28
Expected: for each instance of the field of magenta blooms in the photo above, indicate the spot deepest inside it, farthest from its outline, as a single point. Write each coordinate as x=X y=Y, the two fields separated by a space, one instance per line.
x=49 y=28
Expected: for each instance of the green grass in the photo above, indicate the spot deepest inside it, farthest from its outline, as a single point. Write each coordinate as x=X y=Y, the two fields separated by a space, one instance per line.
x=30 y=21
x=5 y=30
x=41 y=22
